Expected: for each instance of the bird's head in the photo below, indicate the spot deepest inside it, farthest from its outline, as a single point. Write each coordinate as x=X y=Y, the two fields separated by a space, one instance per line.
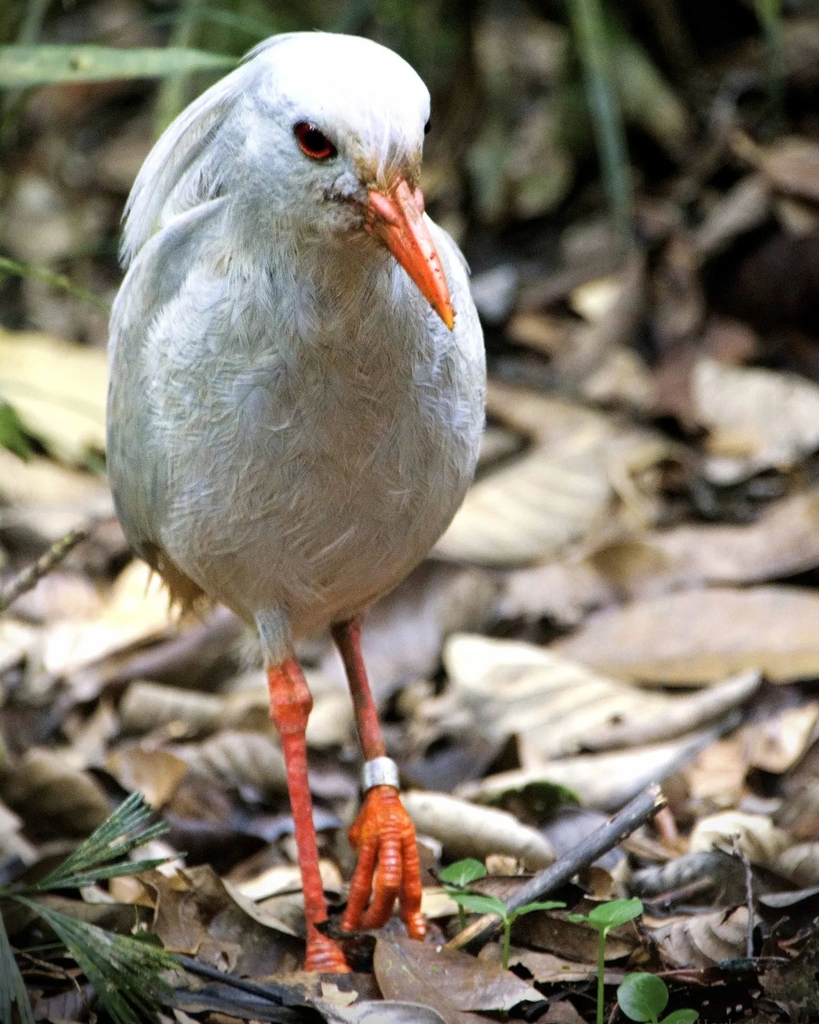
x=323 y=130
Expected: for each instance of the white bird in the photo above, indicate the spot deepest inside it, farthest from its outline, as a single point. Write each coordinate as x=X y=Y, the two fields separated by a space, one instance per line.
x=296 y=389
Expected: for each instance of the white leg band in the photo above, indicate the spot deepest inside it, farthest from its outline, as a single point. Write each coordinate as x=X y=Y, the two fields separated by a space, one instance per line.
x=381 y=771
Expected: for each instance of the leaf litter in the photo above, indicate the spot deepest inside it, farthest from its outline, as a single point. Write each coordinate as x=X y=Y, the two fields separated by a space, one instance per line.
x=628 y=594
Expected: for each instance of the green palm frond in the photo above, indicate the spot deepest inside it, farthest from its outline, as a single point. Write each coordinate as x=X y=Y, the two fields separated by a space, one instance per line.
x=12 y=986
x=114 y=839
x=125 y=972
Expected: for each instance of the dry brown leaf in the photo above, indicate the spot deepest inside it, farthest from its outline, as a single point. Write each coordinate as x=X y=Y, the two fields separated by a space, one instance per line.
x=446 y=979
x=575 y=940
x=48 y=500
x=137 y=612
x=703 y=941
x=53 y=795
x=559 y=707
x=757 y=418
x=16 y=642
x=530 y=510
x=287 y=878
x=148 y=706
x=601 y=781
x=791 y=165
x=548 y=969
x=745 y=206
x=154 y=773
x=755 y=835
x=800 y=864
x=718 y=773
x=197 y=915
x=799 y=812
x=466 y=830
x=58 y=389
x=777 y=743
x=236 y=759
x=696 y=636
x=403 y=633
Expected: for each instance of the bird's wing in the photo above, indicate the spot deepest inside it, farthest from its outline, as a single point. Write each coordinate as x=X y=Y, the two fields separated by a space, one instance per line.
x=136 y=471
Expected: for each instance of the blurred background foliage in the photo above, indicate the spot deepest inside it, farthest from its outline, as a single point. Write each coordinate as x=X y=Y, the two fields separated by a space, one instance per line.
x=545 y=114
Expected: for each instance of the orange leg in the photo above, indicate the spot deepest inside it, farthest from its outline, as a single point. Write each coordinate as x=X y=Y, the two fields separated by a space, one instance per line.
x=290 y=705
x=383 y=832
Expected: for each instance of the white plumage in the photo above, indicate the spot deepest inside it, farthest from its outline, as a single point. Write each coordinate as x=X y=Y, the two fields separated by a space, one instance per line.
x=291 y=425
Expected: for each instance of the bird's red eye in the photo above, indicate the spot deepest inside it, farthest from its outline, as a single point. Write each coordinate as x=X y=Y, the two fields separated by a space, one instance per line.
x=312 y=142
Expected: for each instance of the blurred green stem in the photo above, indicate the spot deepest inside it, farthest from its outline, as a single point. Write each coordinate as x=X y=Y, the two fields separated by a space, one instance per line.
x=592 y=42
x=769 y=16
x=172 y=95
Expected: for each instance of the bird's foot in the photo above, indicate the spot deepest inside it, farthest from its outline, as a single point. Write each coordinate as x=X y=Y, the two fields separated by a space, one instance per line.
x=323 y=954
x=384 y=835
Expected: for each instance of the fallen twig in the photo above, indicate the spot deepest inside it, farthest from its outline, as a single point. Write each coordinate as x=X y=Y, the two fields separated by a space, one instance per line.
x=641 y=809
x=32 y=574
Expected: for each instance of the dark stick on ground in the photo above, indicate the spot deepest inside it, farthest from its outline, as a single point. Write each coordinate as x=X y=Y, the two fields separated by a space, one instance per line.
x=641 y=809
x=32 y=574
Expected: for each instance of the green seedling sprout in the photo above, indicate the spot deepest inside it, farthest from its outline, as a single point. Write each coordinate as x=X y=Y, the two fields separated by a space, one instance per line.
x=460 y=874
x=603 y=918
x=643 y=997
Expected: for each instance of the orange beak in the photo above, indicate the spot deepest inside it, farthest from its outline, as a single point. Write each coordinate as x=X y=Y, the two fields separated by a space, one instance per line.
x=397 y=219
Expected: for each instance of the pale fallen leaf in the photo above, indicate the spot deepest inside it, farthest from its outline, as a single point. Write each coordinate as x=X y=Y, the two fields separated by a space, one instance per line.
x=601 y=781
x=147 y=706
x=717 y=775
x=47 y=500
x=58 y=389
x=531 y=509
x=467 y=830
x=559 y=707
x=137 y=612
x=237 y=759
x=548 y=969
x=745 y=206
x=790 y=164
x=799 y=812
x=755 y=835
x=17 y=640
x=776 y=743
x=154 y=773
x=757 y=418
x=800 y=864
x=383 y=1011
x=703 y=941
x=696 y=636
x=287 y=878
x=446 y=979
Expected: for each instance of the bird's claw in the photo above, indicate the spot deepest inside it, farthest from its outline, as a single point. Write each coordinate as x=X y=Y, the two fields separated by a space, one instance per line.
x=323 y=954
x=384 y=835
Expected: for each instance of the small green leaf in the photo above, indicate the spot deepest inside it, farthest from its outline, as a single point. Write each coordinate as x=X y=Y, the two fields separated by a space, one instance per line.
x=527 y=908
x=46 y=64
x=13 y=435
x=614 y=913
x=642 y=997
x=478 y=904
x=462 y=872
x=681 y=1017
x=577 y=918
